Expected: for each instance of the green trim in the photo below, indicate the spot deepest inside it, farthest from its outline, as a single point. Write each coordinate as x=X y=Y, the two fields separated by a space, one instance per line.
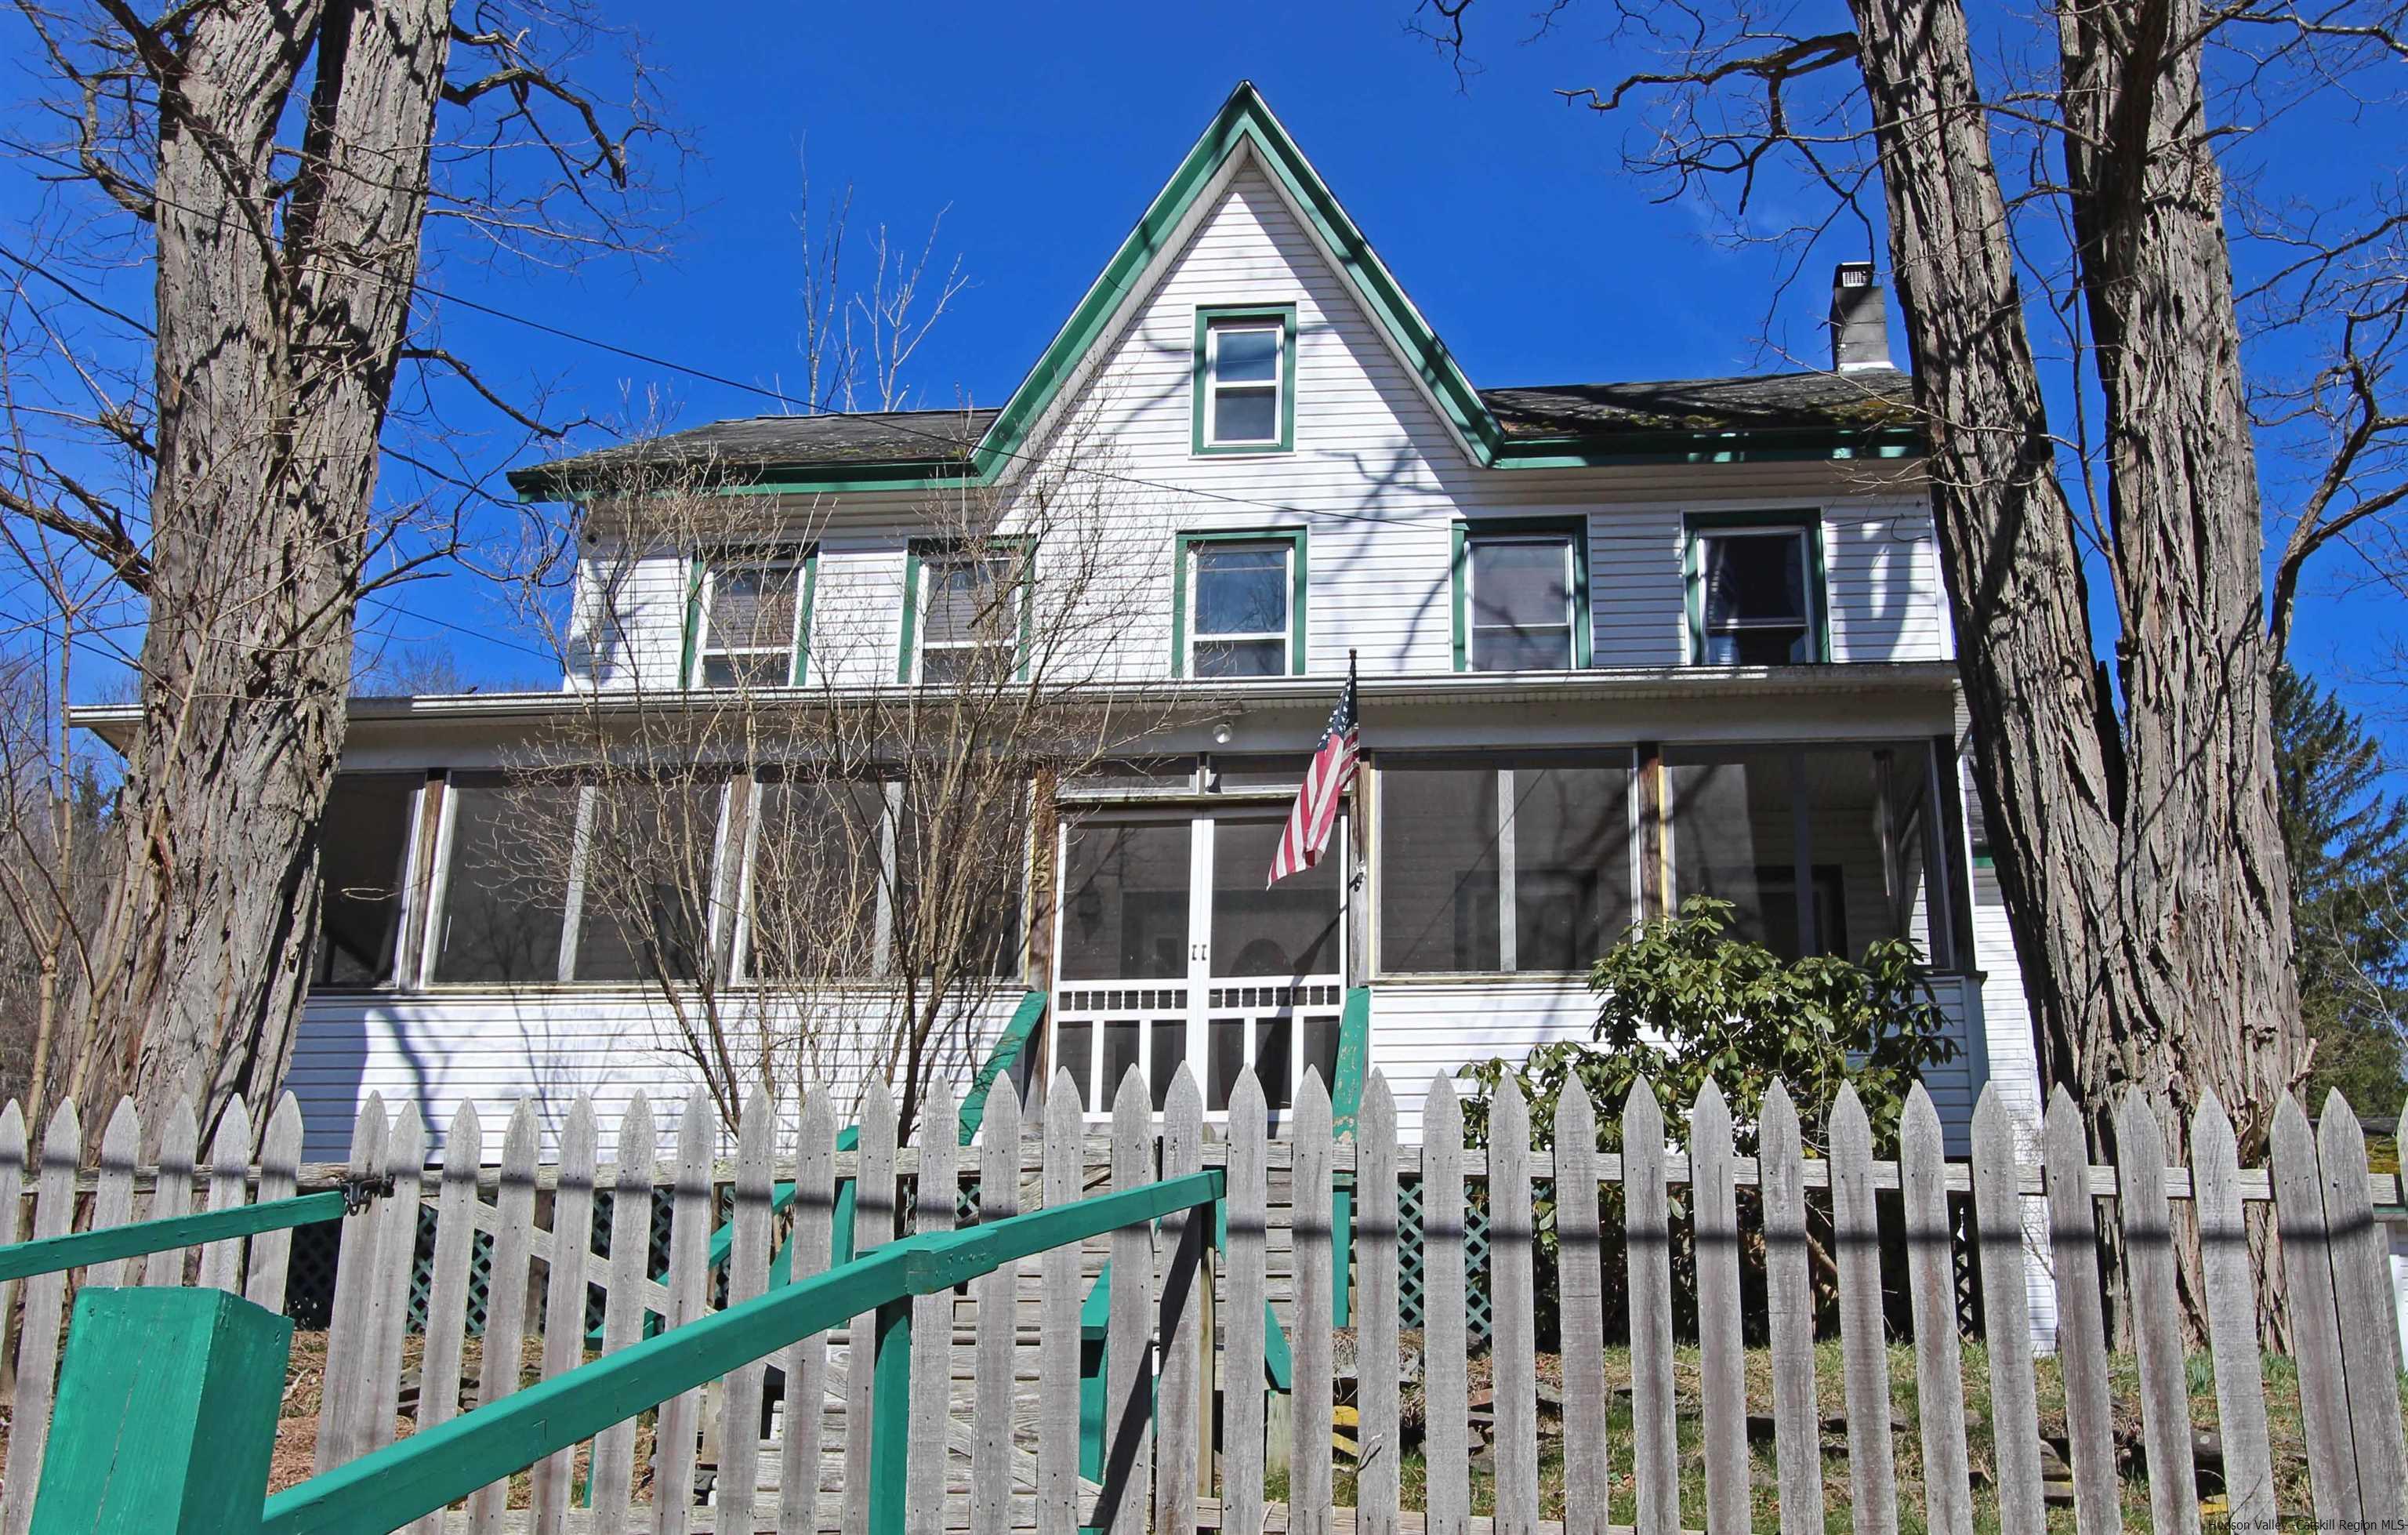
x=1207 y=316
x=687 y=656
x=890 y=1418
x=906 y=656
x=49 y=1254
x=422 y=1473
x=1299 y=582
x=1000 y=1060
x=1245 y=123
x=1352 y=1071
x=802 y=669
x=1574 y=527
x=1806 y=519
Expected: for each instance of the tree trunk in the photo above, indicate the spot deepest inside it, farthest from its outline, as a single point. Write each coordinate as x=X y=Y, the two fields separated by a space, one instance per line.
x=279 y=324
x=2148 y=846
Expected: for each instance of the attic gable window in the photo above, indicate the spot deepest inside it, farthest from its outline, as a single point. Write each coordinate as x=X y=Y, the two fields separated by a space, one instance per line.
x=748 y=619
x=1245 y=380
x=1755 y=589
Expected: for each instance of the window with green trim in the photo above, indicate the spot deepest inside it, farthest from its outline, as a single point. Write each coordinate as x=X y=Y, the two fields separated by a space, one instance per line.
x=748 y=618
x=1239 y=608
x=1520 y=595
x=965 y=616
x=1245 y=380
x=1756 y=591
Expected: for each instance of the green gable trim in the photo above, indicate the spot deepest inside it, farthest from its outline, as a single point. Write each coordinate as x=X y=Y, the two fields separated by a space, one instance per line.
x=1806 y=519
x=1183 y=553
x=1206 y=315
x=1574 y=527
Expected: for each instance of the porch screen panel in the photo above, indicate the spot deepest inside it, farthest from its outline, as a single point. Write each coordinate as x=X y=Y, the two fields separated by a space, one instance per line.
x=365 y=849
x=966 y=845
x=645 y=912
x=1438 y=868
x=504 y=893
x=1125 y=901
x=1289 y=930
x=1572 y=898
x=815 y=890
x=1735 y=827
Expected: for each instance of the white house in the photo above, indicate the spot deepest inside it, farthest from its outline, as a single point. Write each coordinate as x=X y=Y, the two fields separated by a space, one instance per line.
x=1619 y=642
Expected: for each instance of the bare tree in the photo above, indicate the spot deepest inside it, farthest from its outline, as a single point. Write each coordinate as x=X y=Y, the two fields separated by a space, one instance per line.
x=2131 y=806
x=272 y=172
x=818 y=866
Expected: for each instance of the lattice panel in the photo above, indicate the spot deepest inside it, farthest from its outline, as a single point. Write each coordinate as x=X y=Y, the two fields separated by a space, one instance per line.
x=1408 y=1262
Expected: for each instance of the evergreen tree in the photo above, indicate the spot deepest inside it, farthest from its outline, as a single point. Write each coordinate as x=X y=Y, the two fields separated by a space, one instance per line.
x=2348 y=846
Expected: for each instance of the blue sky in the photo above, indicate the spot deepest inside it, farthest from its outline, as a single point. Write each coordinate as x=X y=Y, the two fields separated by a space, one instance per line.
x=1042 y=133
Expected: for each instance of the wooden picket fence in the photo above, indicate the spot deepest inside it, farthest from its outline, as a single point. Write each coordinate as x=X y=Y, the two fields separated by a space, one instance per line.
x=994 y=1387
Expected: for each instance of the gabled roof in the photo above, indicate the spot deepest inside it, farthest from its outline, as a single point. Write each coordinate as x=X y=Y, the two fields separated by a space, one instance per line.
x=1805 y=415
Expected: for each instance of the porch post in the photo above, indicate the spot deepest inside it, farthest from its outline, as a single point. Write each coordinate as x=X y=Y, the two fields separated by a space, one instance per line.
x=167 y=1414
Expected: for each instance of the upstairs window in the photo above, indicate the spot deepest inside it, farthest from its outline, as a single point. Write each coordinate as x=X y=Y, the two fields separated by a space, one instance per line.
x=748 y=615
x=1245 y=380
x=970 y=612
x=1522 y=596
x=1755 y=593
x=1240 y=605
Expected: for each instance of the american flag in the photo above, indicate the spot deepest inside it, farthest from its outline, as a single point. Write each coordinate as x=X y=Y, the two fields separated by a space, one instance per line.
x=1323 y=790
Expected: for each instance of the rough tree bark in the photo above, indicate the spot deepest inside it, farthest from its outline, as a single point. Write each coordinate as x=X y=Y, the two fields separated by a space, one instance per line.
x=281 y=307
x=2140 y=856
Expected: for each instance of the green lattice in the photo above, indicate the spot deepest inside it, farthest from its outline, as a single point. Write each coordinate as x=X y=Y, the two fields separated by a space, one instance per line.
x=1408 y=1262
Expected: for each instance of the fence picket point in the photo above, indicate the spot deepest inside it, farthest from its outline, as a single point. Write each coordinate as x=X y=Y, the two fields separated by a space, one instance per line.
x=1797 y=1411
x=112 y=1204
x=1646 y=1219
x=506 y=1291
x=396 y=1261
x=873 y=1225
x=936 y=1194
x=171 y=1192
x=1129 y=1342
x=2368 y=1315
x=280 y=1176
x=1713 y=1205
x=564 y=1297
x=2149 y=1276
x=229 y=1161
x=1379 y=1443
x=1512 y=1269
x=748 y=1275
x=347 y=1337
x=1311 y=1481
x=806 y=1361
x=680 y=1422
x=1931 y=1290
x=1872 y=1474
x=991 y=1418
x=447 y=1296
x=1247 y=1201
x=1446 y=1368
x=613 y=1476
x=2231 y=1318
x=12 y=1168
x=2081 y=1319
x=37 y=1344
x=2006 y=1319
x=1179 y=1426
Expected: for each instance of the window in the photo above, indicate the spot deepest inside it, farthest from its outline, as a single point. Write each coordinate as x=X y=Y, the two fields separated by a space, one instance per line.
x=1520 y=595
x=1245 y=593
x=363 y=860
x=644 y=880
x=748 y=618
x=816 y=900
x=971 y=610
x=1756 y=592
x=503 y=907
x=1852 y=825
x=1503 y=863
x=1245 y=380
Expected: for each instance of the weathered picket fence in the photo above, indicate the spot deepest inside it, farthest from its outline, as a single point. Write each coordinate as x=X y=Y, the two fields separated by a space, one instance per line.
x=977 y=1426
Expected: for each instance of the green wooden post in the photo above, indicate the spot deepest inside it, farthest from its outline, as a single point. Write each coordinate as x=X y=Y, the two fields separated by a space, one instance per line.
x=167 y=1414
x=1353 y=1068
x=890 y=1417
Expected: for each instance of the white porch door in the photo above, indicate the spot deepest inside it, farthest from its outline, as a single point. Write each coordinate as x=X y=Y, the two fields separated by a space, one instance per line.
x=1168 y=949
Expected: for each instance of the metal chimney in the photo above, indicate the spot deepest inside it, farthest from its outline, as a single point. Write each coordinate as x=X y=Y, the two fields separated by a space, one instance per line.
x=1859 y=318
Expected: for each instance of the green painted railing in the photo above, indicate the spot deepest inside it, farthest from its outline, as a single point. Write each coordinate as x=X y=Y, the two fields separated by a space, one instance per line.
x=49 y=1254
x=1346 y=1101
x=113 y=1371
